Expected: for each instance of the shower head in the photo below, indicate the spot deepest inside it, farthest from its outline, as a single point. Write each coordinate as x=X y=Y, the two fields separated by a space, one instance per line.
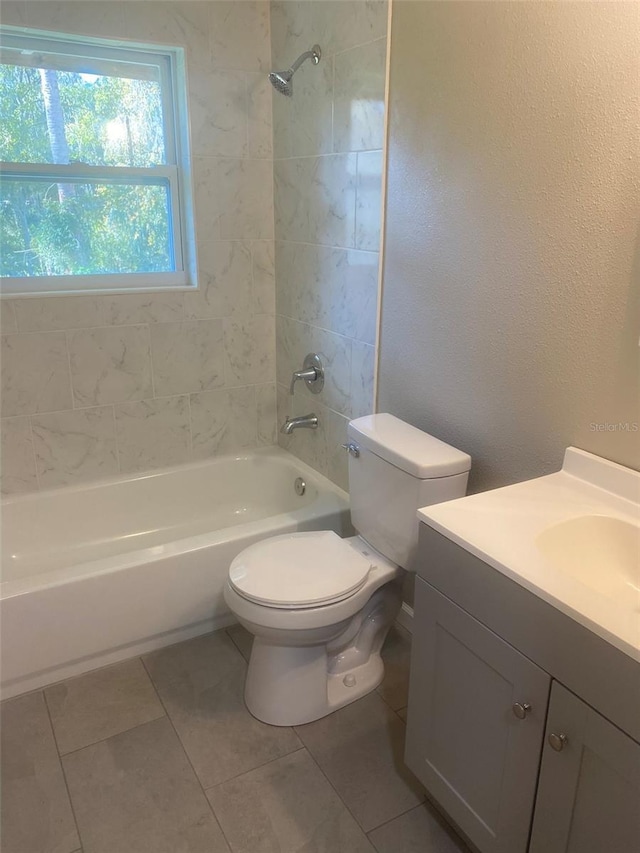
x=282 y=80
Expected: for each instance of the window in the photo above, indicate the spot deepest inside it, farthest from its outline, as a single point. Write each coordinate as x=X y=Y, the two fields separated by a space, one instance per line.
x=94 y=177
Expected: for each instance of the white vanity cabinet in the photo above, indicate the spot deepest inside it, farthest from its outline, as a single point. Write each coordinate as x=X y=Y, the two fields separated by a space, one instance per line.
x=477 y=710
x=523 y=725
x=589 y=791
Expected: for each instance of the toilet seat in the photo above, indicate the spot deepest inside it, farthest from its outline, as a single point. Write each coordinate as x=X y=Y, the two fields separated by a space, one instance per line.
x=300 y=570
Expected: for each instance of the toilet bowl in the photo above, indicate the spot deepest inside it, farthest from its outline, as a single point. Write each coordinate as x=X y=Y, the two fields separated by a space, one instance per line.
x=316 y=645
x=319 y=607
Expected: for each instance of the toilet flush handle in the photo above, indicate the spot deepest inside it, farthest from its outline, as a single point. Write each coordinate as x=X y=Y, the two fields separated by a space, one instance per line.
x=352 y=449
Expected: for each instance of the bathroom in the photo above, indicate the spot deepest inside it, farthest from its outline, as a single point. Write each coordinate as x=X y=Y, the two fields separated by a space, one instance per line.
x=442 y=208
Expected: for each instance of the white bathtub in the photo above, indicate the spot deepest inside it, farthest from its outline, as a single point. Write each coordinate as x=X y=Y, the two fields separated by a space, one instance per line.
x=98 y=573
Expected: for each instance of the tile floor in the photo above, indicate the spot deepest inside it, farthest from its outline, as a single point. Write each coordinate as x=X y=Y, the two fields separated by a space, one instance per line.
x=159 y=755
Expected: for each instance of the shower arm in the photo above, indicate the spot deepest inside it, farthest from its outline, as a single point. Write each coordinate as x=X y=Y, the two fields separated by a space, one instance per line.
x=308 y=54
x=281 y=80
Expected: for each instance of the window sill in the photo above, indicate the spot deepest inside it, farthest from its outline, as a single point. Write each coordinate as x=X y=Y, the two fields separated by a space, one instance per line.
x=74 y=285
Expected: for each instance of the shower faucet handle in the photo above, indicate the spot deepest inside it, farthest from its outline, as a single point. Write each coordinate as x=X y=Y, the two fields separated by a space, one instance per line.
x=309 y=375
x=312 y=372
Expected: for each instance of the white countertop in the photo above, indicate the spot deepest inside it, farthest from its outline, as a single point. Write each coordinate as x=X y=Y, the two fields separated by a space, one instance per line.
x=502 y=527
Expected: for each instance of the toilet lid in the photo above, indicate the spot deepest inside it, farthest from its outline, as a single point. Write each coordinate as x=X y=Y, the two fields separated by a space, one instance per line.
x=299 y=570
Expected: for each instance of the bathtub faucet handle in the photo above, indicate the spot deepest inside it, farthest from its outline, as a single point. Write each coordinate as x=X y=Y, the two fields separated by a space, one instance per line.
x=312 y=372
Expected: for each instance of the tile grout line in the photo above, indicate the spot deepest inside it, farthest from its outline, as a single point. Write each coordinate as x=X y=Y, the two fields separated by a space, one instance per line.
x=115 y=438
x=68 y=350
x=252 y=312
x=231 y=778
x=391 y=819
x=288 y=242
x=190 y=415
x=115 y=734
x=438 y=814
x=333 y=787
x=324 y=329
x=300 y=748
x=64 y=774
x=355 y=200
x=34 y=454
x=319 y=403
x=333 y=102
x=245 y=81
x=388 y=704
x=226 y=630
x=346 y=153
x=89 y=327
x=185 y=753
x=365 y=832
x=82 y=675
x=160 y=396
x=360 y=44
x=397 y=713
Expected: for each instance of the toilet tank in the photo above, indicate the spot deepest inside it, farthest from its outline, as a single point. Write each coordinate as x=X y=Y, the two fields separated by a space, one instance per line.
x=397 y=470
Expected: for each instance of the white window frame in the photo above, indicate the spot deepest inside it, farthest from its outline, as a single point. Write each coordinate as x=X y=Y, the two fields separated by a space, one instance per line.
x=89 y=55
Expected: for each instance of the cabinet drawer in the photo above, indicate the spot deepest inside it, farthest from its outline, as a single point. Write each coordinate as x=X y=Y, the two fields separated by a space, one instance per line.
x=465 y=741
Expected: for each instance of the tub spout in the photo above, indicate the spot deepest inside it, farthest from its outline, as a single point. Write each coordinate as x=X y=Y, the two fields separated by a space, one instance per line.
x=303 y=422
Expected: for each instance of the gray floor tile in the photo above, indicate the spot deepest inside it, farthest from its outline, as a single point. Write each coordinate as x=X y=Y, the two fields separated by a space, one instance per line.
x=137 y=793
x=36 y=813
x=360 y=749
x=284 y=807
x=199 y=661
x=396 y=655
x=243 y=640
x=101 y=704
x=421 y=830
x=201 y=683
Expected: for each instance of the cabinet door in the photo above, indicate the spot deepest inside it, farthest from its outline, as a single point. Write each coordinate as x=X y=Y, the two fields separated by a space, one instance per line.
x=589 y=793
x=465 y=741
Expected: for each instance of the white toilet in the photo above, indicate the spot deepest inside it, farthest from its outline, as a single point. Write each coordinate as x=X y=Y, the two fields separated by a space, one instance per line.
x=320 y=606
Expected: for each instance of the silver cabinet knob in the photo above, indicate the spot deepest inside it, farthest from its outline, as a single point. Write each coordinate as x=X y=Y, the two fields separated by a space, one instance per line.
x=521 y=709
x=557 y=741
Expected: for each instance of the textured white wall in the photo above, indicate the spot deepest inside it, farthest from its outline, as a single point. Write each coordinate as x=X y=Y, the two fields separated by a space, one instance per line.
x=510 y=314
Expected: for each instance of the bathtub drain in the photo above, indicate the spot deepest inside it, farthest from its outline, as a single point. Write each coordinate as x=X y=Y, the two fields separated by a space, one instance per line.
x=300 y=486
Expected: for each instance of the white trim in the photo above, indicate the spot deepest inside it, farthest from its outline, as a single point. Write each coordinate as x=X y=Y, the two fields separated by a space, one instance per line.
x=85 y=48
x=405 y=617
x=82 y=173
x=67 y=61
x=383 y=209
x=104 y=56
x=57 y=285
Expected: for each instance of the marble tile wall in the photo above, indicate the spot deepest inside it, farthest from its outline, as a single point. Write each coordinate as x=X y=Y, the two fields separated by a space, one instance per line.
x=327 y=145
x=96 y=385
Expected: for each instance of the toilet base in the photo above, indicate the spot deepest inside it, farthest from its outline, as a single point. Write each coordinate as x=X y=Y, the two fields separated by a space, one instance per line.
x=292 y=685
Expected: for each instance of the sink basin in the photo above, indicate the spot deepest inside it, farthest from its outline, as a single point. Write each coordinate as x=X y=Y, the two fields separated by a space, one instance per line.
x=572 y=538
x=600 y=551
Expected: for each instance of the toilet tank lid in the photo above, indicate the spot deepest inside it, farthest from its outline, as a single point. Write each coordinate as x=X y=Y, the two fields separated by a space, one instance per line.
x=408 y=448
